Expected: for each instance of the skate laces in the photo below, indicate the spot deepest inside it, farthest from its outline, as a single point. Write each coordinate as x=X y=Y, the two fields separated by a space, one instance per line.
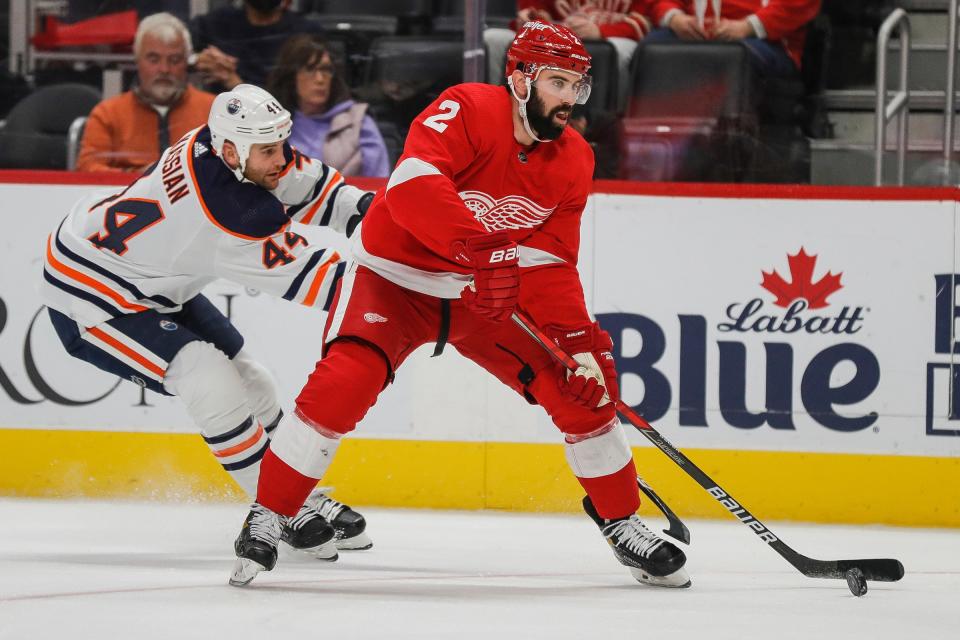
x=634 y=536
x=305 y=515
x=325 y=506
x=265 y=525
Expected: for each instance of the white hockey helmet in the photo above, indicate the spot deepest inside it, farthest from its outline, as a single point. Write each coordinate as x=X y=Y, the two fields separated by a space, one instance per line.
x=247 y=115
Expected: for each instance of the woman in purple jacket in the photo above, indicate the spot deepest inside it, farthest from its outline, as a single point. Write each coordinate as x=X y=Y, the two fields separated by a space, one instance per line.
x=327 y=123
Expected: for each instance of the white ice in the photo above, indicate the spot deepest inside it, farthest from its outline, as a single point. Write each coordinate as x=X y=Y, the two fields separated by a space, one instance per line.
x=98 y=570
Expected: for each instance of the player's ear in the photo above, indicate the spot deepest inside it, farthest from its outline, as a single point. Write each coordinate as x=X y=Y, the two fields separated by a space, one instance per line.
x=230 y=155
x=519 y=82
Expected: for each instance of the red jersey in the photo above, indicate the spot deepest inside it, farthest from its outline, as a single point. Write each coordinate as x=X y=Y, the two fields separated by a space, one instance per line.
x=615 y=18
x=782 y=21
x=462 y=174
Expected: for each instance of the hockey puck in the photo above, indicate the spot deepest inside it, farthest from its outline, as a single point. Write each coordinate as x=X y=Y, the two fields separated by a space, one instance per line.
x=856 y=581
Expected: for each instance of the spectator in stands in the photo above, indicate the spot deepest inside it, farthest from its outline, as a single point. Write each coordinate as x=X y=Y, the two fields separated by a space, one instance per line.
x=622 y=23
x=127 y=132
x=327 y=123
x=772 y=30
x=590 y=19
x=240 y=44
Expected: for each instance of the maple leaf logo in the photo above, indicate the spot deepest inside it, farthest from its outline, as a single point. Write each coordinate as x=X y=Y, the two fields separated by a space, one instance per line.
x=802 y=284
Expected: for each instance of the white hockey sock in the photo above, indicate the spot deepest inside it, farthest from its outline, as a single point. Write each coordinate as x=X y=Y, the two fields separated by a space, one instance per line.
x=213 y=392
x=302 y=447
x=600 y=455
x=260 y=387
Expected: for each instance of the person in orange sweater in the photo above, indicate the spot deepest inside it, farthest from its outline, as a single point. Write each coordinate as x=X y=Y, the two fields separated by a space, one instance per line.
x=127 y=132
x=772 y=30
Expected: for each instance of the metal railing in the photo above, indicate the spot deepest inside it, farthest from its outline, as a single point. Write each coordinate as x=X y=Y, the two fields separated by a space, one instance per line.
x=899 y=106
x=948 y=108
x=74 y=134
x=474 y=60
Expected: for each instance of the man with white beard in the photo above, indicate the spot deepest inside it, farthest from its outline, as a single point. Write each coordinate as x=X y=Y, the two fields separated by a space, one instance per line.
x=129 y=131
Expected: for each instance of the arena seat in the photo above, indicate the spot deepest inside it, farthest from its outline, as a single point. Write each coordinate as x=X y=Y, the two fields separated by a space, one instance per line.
x=35 y=133
x=449 y=15
x=407 y=73
x=692 y=114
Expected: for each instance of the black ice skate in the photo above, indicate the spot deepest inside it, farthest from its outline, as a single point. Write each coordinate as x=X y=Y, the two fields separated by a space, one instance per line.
x=348 y=525
x=256 y=546
x=310 y=533
x=651 y=559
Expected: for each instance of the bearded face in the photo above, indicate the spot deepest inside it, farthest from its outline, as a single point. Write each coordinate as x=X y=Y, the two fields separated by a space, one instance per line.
x=547 y=122
x=161 y=69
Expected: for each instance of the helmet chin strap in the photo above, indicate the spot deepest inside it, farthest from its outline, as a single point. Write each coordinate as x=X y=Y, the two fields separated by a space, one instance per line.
x=242 y=159
x=522 y=104
x=238 y=172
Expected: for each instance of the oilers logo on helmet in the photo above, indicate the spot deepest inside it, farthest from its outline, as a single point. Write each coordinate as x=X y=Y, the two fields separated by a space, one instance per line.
x=245 y=116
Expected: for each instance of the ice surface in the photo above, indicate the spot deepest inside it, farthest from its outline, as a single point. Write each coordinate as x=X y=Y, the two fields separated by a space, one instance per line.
x=96 y=570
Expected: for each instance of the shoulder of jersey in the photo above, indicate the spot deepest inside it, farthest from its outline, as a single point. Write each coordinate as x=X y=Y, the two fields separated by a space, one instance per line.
x=240 y=208
x=477 y=94
x=483 y=103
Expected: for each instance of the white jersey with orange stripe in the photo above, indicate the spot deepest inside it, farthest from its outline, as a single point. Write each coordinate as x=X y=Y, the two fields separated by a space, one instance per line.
x=188 y=221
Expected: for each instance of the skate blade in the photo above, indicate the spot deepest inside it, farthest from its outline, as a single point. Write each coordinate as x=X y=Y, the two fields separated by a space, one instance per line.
x=245 y=570
x=359 y=542
x=679 y=579
x=326 y=552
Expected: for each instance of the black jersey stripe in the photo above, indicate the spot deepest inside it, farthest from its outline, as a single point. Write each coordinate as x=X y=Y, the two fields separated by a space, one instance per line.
x=341 y=269
x=298 y=281
x=83 y=295
x=328 y=210
x=229 y=435
x=246 y=462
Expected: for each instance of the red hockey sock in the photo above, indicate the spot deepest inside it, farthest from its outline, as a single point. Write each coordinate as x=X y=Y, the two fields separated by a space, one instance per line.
x=615 y=495
x=282 y=488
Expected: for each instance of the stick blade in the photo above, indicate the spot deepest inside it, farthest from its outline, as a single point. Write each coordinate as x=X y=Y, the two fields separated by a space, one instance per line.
x=877 y=569
x=677 y=530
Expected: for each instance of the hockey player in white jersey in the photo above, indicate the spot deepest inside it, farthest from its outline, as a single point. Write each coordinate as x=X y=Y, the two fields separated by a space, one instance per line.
x=122 y=280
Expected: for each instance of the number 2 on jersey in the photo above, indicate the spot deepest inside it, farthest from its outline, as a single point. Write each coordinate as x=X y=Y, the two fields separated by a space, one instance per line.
x=449 y=109
x=123 y=220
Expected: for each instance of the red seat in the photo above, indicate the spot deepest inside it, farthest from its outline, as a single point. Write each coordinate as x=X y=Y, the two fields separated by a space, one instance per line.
x=116 y=29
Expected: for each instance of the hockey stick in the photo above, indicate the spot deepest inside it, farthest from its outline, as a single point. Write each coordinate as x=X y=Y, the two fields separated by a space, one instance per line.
x=677 y=530
x=881 y=569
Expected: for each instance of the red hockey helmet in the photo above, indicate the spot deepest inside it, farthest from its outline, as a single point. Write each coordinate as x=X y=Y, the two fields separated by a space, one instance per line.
x=541 y=45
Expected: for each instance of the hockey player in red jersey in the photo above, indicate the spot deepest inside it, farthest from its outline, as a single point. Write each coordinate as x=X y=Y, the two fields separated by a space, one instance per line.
x=123 y=275
x=480 y=217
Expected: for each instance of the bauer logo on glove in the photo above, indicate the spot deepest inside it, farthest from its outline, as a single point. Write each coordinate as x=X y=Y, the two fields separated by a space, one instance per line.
x=594 y=383
x=495 y=260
